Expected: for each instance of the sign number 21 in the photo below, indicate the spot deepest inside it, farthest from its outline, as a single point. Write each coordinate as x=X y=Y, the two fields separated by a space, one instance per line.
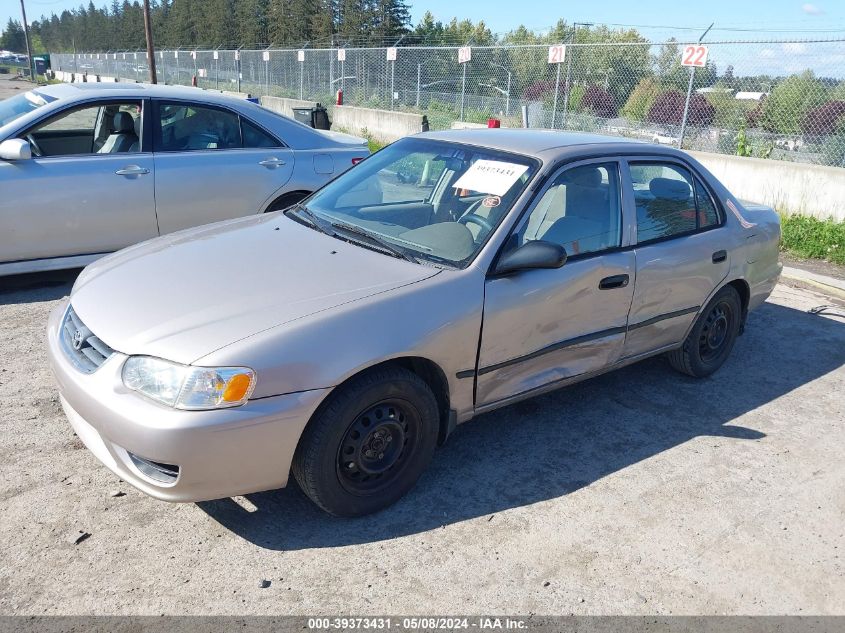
x=694 y=56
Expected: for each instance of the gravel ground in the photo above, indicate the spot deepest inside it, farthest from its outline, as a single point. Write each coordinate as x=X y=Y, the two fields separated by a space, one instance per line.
x=638 y=492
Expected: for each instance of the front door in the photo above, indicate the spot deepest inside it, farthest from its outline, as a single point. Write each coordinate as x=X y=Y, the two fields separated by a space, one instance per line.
x=682 y=253
x=544 y=326
x=211 y=164
x=88 y=189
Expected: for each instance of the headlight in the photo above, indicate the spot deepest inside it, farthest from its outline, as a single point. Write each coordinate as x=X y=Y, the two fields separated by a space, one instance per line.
x=187 y=387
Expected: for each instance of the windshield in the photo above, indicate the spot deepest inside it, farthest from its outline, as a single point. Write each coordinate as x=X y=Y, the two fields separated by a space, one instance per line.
x=15 y=107
x=431 y=200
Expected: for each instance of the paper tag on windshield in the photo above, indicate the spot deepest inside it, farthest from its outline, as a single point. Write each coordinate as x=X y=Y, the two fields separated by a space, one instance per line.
x=490 y=176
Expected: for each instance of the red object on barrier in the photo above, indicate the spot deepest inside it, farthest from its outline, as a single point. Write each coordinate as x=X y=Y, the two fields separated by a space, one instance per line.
x=494 y=123
x=340 y=97
x=194 y=81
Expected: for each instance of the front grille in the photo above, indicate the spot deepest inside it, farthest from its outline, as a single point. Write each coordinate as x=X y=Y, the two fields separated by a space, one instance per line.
x=86 y=351
x=164 y=473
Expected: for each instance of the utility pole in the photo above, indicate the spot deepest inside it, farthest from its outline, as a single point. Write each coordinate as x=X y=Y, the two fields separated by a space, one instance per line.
x=148 y=31
x=28 y=47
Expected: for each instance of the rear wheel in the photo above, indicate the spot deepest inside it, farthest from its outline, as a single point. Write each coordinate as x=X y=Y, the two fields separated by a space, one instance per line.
x=369 y=443
x=712 y=337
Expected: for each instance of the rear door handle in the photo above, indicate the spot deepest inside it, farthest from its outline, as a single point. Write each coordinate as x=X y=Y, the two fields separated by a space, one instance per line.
x=132 y=170
x=271 y=162
x=720 y=256
x=616 y=281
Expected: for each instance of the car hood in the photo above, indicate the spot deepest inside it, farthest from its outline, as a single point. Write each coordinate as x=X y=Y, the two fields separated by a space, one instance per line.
x=185 y=295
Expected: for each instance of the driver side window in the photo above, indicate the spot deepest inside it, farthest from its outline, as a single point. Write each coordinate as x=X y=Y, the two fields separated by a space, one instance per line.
x=101 y=128
x=580 y=210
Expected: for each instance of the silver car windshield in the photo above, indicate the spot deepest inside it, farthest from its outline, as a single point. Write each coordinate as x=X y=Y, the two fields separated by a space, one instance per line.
x=431 y=200
x=15 y=107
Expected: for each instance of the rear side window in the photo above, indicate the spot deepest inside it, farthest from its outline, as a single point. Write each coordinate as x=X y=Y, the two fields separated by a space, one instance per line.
x=192 y=127
x=669 y=201
x=256 y=137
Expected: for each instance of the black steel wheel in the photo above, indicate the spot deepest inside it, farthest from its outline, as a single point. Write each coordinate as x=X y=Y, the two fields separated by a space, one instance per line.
x=373 y=452
x=367 y=445
x=712 y=337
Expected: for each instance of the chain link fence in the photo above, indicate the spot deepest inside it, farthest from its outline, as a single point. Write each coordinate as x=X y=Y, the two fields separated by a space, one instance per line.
x=769 y=99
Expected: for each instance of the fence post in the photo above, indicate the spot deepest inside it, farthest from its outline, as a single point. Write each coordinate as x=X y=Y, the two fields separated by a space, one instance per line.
x=686 y=107
x=238 y=66
x=463 y=88
x=419 y=66
x=689 y=93
x=557 y=89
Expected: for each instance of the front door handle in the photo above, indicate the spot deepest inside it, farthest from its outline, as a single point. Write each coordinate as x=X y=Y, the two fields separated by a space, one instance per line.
x=272 y=162
x=616 y=281
x=132 y=170
x=720 y=256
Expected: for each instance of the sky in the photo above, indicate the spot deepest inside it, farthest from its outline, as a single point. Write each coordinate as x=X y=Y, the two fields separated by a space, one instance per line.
x=759 y=18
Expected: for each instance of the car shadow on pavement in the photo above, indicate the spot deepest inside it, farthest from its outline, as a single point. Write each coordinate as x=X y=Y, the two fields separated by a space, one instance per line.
x=558 y=443
x=33 y=287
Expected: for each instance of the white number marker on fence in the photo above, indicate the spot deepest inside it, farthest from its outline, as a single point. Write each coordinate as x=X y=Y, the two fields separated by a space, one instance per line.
x=216 y=55
x=391 y=54
x=464 y=54
x=557 y=53
x=694 y=56
x=300 y=56
x=341 y=54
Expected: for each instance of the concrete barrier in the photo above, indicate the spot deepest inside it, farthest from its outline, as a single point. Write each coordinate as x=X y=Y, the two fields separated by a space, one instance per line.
x=796 y=188
x=382 y=125
x=285 y=106
x=464 y=125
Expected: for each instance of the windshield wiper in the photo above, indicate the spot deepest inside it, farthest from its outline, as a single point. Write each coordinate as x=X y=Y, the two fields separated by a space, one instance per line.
x=301 y=212
x=381 y=243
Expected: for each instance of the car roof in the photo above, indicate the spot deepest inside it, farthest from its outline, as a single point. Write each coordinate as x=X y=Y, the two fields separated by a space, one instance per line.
x=545 y=143
x=86 y=90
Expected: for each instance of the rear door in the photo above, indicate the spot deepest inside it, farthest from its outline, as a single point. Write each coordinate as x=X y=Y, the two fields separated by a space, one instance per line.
x=74 y=197
x=544 y=326
x=212 y=164
x=681 y=252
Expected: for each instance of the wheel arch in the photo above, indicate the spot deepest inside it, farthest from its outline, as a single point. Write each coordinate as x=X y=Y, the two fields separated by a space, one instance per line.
x=429 y=371
x=286 y=199
x=744 y=291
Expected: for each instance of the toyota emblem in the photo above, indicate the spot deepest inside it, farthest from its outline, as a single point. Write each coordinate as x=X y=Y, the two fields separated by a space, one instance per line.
x=78 y=339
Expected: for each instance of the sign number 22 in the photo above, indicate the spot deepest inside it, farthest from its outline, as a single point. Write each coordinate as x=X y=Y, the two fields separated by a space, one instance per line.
x=694 y=56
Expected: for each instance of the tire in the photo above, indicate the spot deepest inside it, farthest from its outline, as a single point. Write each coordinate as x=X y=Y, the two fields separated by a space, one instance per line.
x=345 y=462
x=287 y=200
x=712 y=337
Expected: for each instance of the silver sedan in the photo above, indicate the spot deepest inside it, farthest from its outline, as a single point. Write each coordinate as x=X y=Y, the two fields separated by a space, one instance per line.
x=447 y=275
x=87 y=169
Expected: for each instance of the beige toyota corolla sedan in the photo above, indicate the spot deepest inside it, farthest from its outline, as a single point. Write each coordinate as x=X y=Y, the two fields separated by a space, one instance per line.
x=447 y=275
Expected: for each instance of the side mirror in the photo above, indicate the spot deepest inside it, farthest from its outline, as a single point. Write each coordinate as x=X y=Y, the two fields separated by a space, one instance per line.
x=15 y=149
x=536 y=254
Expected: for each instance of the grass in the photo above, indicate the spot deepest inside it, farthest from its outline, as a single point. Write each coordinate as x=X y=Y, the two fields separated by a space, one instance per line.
x=808 y=237
x=374 y=145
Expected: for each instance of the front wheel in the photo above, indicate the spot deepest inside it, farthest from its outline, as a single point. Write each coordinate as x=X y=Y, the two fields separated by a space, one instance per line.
x=712 y=337
x=369 y=443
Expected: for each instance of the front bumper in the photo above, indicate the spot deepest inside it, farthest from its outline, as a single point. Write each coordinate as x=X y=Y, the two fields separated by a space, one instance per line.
x=219 y=453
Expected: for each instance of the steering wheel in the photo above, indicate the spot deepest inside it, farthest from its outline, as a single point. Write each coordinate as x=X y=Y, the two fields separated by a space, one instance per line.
x=473 y=218
x=33 y=145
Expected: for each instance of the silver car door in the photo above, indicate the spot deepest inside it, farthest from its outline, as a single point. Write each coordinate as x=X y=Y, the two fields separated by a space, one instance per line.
x=88 y=189
x=681 y=252
x=204 y=171
x=543 y=326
